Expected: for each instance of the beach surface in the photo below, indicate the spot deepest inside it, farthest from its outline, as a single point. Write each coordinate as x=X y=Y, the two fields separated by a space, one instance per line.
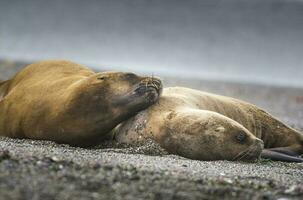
x=46 y=170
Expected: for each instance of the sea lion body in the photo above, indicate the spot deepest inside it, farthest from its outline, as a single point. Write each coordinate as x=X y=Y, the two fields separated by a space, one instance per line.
x=205 y=126
x=68 y=103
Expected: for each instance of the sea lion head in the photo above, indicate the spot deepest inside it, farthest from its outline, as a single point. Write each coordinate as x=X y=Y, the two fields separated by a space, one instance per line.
x=207 y=135
x=229 y=140
x=240 y=144
x=108 y=98
x=128 y=90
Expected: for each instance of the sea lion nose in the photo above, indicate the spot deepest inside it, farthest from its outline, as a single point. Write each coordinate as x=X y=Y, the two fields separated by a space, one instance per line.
x=152 y=81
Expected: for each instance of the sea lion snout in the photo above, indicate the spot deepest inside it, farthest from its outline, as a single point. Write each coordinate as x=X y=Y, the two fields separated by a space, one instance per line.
x=259 y=142
x=257 y=147
x=151 y=86
x=253 y=152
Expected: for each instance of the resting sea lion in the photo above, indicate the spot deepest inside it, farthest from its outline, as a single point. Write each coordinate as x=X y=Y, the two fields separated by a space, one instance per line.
x=68 y=103
x=204 y=126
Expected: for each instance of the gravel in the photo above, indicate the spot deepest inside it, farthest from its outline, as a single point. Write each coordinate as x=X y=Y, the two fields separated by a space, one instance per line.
x=46 y=170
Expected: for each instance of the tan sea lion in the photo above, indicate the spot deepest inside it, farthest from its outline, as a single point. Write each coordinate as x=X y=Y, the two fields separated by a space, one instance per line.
x=204 y=126
x=68 y=103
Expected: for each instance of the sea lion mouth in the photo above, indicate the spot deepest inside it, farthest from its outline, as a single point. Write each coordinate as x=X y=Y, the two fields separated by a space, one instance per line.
x=150 y=89
x=149 y=85
x=142 y=95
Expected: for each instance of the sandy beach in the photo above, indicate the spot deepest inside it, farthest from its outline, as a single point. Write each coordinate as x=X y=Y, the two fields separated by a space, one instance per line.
x=46 y=170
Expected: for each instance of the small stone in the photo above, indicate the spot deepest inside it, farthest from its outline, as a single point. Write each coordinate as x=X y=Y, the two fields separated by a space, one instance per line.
x=54 y=158
x=96 y=166
x=4 y=154
x=295 y=190
x=39 y=162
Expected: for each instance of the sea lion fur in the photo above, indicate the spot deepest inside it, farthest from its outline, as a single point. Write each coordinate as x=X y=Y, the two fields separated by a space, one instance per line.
x=205 y=126
x=68 y=103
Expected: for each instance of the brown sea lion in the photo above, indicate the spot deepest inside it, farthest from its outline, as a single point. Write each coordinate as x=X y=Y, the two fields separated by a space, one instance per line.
x=204 y=126
x=68 y=103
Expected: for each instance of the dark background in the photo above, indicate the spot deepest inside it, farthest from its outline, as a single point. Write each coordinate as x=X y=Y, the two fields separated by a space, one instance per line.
x=258 y=41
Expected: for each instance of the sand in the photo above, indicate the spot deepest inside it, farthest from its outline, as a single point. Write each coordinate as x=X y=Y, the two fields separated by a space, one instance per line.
x=46 y=170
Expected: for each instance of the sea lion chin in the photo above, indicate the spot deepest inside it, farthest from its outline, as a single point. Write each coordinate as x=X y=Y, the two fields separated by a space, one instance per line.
x=68 y=103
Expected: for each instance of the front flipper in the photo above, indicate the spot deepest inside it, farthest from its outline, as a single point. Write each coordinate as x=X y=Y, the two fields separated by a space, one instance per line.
x=278 y=156
x=291 y=151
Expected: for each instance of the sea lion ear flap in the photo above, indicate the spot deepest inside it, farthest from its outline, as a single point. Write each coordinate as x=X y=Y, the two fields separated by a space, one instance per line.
x=277 y=156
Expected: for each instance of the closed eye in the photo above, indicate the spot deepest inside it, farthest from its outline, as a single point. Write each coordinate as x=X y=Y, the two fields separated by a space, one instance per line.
x=130 y=75
x=241 y=137
x=102 y=78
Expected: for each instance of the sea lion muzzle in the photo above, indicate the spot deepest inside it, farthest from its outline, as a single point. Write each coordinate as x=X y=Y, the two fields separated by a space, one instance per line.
x=252 y=153
x=149 y=84
x=146 y=92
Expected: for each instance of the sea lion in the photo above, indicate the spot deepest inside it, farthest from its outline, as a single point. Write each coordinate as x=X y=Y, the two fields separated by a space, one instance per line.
x=68 y=103
x=205 y=126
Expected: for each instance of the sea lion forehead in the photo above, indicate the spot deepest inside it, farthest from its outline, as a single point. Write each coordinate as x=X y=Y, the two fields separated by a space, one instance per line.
x=121 y=76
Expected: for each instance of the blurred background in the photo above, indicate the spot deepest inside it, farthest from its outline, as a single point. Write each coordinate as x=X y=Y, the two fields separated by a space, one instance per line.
x=247 y=41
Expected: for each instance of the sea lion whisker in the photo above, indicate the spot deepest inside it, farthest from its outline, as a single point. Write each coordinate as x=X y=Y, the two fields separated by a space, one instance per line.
x=242 y=153
x=249 y=150
x=235 y=157
x=246 y=153
x=155 y=86
x=239 y=155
